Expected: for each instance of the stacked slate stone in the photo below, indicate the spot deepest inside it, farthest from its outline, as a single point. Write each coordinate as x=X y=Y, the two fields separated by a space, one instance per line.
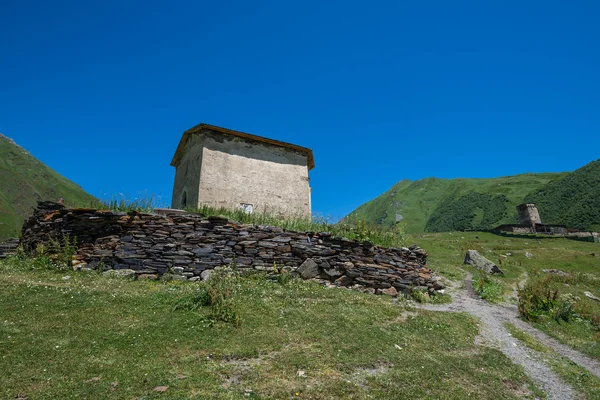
x=8 y=247
x=187 y=245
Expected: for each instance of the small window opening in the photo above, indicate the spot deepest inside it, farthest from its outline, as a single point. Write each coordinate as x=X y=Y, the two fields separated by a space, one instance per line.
x=247 y=208
x=184 y=200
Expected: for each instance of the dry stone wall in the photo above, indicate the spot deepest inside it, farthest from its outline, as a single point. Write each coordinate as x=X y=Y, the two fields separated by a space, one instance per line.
x=8 y=247
x=187 y=245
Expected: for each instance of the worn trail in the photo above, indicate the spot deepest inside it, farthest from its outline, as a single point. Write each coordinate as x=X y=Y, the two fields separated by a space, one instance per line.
x=494 y=333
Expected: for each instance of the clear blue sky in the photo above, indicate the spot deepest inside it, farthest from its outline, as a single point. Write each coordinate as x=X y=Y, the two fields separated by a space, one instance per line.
x=381 y=91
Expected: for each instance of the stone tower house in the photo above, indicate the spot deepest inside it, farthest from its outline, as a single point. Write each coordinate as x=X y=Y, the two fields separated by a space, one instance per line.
x=528 y=214
x=220 y=167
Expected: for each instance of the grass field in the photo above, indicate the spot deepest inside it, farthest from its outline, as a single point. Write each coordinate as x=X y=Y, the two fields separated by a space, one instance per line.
x=579 y=378
x=581 y=260
x=89 y=336
x=83 y=335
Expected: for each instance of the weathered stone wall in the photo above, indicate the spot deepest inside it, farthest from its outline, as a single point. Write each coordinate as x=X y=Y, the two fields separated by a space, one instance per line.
x=514 y=228
x=186 y=187
x=8 y=247
x=528 y=214
x=220 y=170
x=272 y=179
x=542 y=229
x=593 y=235
x=189 y=244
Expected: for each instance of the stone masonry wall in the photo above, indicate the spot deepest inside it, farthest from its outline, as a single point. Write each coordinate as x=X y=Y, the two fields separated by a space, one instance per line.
x=189 y=244
x=528 y=214
x=8 y=247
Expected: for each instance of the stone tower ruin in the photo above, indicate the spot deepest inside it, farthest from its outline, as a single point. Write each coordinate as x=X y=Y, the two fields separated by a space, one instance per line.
x=528 y=214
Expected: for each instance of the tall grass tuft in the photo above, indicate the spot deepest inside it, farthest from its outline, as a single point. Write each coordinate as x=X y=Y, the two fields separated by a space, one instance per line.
x=537 y=298
x=487 y=288
x=145 y=202
x=541 y=298
x=220 y=294
x=382 y=236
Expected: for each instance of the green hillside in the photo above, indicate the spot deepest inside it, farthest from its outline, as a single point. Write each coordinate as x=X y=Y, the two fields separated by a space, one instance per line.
x=438 y=205
x=23 y=181
x=573 y=200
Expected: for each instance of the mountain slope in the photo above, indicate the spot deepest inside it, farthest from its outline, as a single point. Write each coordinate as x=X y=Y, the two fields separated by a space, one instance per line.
x=23 y=181
x=573 y=200
x=438 y=205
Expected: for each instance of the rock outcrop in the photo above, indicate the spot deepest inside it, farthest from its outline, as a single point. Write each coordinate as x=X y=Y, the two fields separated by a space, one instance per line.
x=480 y=262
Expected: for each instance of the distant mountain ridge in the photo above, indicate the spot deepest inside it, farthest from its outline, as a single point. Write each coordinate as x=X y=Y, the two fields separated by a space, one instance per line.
x=24 y=180
x=438 y=205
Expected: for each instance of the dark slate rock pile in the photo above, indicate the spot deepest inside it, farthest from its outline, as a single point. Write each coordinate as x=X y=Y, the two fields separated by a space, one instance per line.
x=187 y=245
x=8 y=247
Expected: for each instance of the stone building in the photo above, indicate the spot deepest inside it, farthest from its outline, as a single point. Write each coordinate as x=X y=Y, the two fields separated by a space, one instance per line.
x=528 y=214
x=221 y=167
x=531 y=223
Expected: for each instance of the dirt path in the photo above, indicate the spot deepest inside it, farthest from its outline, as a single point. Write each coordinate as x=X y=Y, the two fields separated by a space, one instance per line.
x=493 y=333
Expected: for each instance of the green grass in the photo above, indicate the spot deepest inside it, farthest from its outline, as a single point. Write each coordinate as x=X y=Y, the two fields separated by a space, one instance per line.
x=487 y=288
x=96 y=337
x=582 y=330
x=379 y=235
x=145 y=203
x=23 y=181
x=586 y=384
x=580 y=259
x=472 y=211
x=435 y=204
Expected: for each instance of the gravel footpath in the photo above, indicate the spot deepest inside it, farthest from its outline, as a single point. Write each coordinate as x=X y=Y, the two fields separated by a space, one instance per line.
x=494 y=334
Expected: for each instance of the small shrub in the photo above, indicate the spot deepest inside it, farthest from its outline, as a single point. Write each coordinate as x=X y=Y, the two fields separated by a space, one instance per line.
x=195 y=301
x=564 y=308
x=584 y=310
x=487 y=288
x=537 y=298
x=438 y=298
x=45 y=263
x=62 y=251
x=223 y=286
x=220 y=294
x=284 y=278
x=420 y=296
x=540 y=298
x=27 y=262
x=40 y=249
x=56 y=255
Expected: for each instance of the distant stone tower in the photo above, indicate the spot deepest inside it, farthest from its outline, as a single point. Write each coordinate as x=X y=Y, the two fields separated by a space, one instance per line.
x=528 y=214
